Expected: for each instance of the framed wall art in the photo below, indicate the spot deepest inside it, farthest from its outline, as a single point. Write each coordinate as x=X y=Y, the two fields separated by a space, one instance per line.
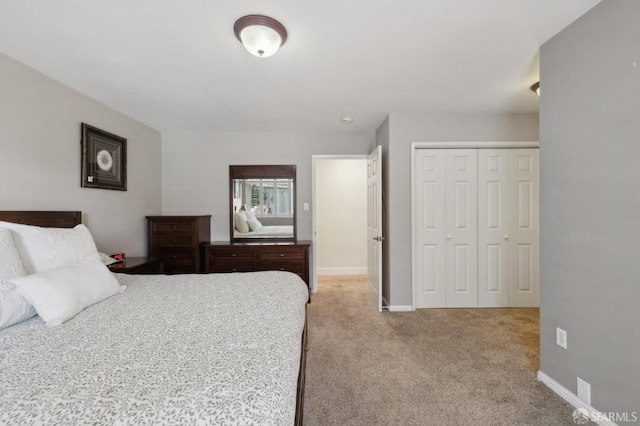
x=104 y=159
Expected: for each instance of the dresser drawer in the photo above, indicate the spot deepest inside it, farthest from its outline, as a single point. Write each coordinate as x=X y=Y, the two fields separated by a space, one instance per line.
x=232 y=253
x=172 y=254
x=224 y=265
x=176 y=261
x=162 y=241
x=281 y=253
x=295 y=267
x=173 y=227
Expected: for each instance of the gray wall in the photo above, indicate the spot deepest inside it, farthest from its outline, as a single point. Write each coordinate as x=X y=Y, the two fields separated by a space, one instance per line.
x=590 y=204
x=407 y=128
x=40 y=158
x=195 y=169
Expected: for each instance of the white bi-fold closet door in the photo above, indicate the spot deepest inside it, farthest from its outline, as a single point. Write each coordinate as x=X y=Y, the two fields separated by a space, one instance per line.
x=476 y=226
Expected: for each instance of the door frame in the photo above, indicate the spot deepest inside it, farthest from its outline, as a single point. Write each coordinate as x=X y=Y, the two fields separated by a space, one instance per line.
x=446 y=145
x=314 y=251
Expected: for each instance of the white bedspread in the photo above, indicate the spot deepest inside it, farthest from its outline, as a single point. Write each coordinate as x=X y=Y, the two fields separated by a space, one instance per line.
x=182 y=349
x=281 y=231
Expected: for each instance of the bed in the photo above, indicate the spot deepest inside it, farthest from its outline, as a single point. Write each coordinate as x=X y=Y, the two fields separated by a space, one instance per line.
x=179 y=349
x=276 y=231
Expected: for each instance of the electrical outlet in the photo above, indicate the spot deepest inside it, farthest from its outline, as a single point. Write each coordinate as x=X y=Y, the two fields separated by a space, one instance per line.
x=561 y=337
x=584 y=391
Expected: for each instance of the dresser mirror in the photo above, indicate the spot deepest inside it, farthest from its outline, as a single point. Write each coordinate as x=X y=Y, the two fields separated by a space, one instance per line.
x=262 y=203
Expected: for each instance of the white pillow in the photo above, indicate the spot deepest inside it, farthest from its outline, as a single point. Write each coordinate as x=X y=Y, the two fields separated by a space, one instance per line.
x=13 y=307
x=10 y=261
x=240 y=221
x=250 y=215
x=59 y=294
x=254 y=225
x=47 y=248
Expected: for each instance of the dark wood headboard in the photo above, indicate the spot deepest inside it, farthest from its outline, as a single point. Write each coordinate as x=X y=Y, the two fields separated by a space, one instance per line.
x=43 y=218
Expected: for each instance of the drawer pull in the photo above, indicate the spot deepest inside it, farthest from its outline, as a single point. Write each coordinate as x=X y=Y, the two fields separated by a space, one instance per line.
x=174 y=241
x=234 y=270
x=233 y=255
x=174 y=257
x=281 y=255
x=173 y=227
x=282 y=269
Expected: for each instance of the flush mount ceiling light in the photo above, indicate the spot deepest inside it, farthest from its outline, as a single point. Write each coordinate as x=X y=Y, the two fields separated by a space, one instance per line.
x=260 y=35
x=536 y=88
x=346 y=120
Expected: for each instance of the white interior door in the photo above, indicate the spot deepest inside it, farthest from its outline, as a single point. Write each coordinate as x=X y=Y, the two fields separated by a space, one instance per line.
x=462 y=227
x=475 y=228
x=493 y=228
x=524 y=244
x=374 y=222
x=430 y=233
x=446 y=235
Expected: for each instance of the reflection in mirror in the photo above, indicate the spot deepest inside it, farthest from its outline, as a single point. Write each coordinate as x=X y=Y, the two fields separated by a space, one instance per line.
x=267 y=206
x=262 y=202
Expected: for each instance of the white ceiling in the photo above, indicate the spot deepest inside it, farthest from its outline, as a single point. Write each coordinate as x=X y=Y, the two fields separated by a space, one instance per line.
x=176 y=65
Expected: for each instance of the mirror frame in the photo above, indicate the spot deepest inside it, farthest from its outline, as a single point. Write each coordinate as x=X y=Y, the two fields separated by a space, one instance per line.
x=263 y=172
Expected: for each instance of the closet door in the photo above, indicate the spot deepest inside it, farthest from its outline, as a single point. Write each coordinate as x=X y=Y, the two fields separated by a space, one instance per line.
x=477 y=242
x=524 y=244
x=493 y=228
x=430 y=228
x=462 y=228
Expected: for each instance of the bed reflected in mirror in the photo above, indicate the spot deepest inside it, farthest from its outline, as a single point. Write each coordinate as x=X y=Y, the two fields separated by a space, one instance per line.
x=262 y=203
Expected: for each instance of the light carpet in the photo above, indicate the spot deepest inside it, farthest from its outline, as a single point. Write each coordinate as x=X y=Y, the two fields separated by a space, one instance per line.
x=429 y=367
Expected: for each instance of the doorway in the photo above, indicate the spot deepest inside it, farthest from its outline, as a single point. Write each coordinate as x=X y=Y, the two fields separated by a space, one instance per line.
x=339 y=216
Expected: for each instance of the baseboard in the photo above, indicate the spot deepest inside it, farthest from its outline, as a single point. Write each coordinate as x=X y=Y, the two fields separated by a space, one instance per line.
x=343 y=271
x=400 y=308
x=571 y=398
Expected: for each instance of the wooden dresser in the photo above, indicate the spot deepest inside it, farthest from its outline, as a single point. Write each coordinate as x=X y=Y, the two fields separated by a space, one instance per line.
x=267 y=256
x=177 y=240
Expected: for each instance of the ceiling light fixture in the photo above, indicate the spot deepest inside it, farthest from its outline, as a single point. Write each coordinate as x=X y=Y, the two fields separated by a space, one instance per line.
x=536 y=88
x=260 y=35
x=346 y=120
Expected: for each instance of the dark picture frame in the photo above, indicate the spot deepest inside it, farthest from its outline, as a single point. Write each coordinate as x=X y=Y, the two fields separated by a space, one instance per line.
x=104 y=159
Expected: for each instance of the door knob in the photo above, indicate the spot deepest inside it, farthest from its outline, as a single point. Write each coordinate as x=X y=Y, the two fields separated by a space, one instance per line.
x=506 y=237
x=449 y=237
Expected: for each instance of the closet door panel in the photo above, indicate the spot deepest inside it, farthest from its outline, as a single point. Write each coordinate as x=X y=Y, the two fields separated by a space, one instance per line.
x=461 y=228
x=524 y=245
x=430 y=250
x=493 y=227
x=477 y=242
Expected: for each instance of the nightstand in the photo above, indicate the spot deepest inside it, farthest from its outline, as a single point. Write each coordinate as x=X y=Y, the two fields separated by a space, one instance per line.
x=138 y=266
